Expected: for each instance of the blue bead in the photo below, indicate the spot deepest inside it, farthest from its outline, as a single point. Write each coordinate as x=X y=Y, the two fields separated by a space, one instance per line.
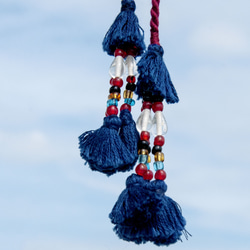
x=158 y=165
x=111 y=102
x=130 y=101
x=143 y=159
x=148 y=166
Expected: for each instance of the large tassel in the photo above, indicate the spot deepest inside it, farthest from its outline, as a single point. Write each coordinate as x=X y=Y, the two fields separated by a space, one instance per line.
x=154 y=80
x=125 y=32
x=103 y=148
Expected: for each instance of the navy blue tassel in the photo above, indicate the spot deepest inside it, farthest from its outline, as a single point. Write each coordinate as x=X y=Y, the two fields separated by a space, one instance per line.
x=103 y=149
x=143 y=213
x=129 y=136
x=154 y=80
x=125 y=32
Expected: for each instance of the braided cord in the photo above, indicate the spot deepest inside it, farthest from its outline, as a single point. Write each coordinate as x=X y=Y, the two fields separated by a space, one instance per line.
x=154 y=23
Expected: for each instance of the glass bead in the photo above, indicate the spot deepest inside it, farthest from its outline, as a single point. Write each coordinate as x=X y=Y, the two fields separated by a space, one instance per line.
x=112 y=102
x=143 y=152
x=145 y=135
x=125 y=106
x=133 y=51
x=114 y=89
x=141 y=169
x=117 y=67
x=156 y=149
x=157 y=106
x=143 y=159
x=120 y=52
x=117 y=81
x=158 y=165
x=159 y=140
x=131 y=79
x=148 y=175
x=159 y=156
x=159 y=124
x=127 y=94
x=148 y=166
x=115 y=96
x=146 y=105
x=131 y=66
x=129 y=101
x=160 y=175
x=144 y=122
x=149 y=159
x=130 y=86
x=111 y=110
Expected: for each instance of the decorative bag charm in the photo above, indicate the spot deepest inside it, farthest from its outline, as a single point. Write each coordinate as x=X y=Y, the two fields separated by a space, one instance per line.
x=113 y=147
x=143 y=212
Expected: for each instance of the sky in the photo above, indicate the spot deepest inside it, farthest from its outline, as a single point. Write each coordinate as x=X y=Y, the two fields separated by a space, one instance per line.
x=53 y=86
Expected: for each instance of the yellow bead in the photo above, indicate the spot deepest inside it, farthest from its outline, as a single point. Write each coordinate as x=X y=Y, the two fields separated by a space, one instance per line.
x=159 y=156
x=142 y=152
x=115 y=96
x=149 y=159
x=128 y=94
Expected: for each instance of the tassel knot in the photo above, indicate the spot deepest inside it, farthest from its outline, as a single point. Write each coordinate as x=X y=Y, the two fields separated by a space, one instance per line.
x=114 y=123
x=128 y=5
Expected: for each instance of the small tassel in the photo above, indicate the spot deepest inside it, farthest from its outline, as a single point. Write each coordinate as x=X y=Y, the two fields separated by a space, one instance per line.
x=103 y=149
x=125 y=32
x=154 y=79
x=129 y=136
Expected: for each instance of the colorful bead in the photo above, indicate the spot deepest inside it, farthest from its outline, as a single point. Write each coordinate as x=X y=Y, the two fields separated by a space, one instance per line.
x=157 y=106
x=130 y=86
x=130 y=101
x=158 y=165
x=115 y=96
x=114 y=89
x=159 y=140
x=160 y=175
x=143 y=152
x=146 y=105
x=143 y=159
x=117 y=81
x=145 y=135
x=125 y=106
x=131 y=79
x=148 y=166
x=112 y=102
x=159 y=156
x=148 y=175
x=111 y=110
x=156 y=149
x=141 y=169
x=149 y=159
x=127 y=94
x=120 y=52
x=142 y=144
x=132 y=51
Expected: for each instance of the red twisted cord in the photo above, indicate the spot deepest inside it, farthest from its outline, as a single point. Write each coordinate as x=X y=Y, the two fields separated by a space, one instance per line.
x=154 y=23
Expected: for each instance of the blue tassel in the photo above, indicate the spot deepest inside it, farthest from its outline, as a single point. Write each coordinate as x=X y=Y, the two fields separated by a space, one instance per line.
x=103 y=149
x=129 y=136
x=154 y=80
x=125 y=33
x=143 y=213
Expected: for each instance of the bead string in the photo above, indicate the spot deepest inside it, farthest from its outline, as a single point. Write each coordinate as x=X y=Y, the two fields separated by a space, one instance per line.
x=154 y=22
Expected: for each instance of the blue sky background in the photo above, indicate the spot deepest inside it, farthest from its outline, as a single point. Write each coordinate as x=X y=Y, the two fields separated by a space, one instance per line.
x=53 y=86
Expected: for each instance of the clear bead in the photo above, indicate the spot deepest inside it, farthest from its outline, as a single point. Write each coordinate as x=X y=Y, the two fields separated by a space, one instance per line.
x=158 y=165
x=117 y=67
x=144 y=122
x=131 y=66
x=143 y=159
x=159 y=124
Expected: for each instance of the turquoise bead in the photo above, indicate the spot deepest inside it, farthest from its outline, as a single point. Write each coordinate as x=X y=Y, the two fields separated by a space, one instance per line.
x=112 y=102
x=143 y=159
x=148 y=166
x=158 y=165
x=130 y=101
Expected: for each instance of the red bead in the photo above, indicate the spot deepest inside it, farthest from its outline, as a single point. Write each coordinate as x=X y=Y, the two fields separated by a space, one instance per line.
x=157 y=106
x=120 y=52
x=141 y=169
x=131 y=79
x=160 y=175
x=116 y=82
x=112 y=110
x=145 y=136
x=146 y=105
x=125 y=106
x=159 y=140
x=148 y=175
x=132 y=51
